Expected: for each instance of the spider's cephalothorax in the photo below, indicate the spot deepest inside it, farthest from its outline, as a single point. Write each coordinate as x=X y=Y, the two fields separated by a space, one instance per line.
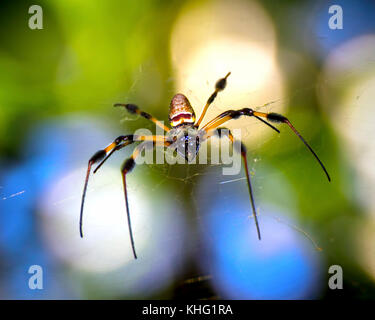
x=181 y=111
x=185 y=136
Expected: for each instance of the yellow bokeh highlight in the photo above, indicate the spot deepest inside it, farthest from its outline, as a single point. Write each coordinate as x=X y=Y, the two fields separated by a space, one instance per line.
x=240 y=39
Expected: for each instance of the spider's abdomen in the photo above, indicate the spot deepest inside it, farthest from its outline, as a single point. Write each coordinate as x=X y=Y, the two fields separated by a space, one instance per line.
x=180 y=111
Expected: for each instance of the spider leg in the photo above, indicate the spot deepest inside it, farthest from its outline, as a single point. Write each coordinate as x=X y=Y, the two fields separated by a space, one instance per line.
x=219 y=86
x=119 y=143
x=218 y=131
x=103 y=155
x=132 y=108
x=234 y=114
x=272 y=117
x=95 y=158
x=132 y=139
x=127 y=167
x=278 y=118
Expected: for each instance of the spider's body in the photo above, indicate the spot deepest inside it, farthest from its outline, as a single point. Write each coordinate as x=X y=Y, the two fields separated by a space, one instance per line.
x=186 y=141
x=181 y=113
x=185 y=136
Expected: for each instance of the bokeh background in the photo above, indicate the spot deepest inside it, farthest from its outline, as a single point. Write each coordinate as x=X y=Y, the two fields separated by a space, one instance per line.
x=193 y=228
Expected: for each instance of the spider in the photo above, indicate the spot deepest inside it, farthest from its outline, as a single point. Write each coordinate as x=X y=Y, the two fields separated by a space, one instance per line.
x=185 y=132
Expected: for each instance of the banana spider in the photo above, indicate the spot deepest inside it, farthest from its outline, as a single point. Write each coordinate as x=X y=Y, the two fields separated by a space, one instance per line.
x=185 y=135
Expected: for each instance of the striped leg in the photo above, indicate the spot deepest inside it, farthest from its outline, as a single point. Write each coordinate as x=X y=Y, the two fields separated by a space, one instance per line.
x=278 y=118
x=218 y=131
x=132 y=108
x=272 y=117
x=103 y=155
x=219 y=86
x=127 y=167
x=234 y=114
